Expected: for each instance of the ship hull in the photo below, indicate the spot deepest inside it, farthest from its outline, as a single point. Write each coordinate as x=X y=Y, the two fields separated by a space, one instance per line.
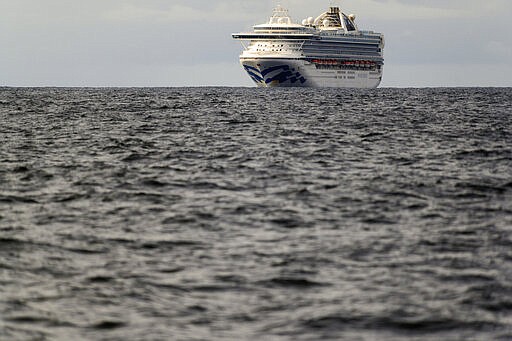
x=268 y=72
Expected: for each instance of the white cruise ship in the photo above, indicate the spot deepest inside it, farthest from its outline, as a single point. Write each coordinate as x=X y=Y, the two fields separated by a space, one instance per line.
x=329 y=51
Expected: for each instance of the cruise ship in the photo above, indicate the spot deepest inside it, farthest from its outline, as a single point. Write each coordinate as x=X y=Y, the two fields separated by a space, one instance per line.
x=326 y=51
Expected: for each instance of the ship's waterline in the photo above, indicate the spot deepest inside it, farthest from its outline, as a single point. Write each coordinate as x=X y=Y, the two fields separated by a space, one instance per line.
x=300 y=73
x=329 y=51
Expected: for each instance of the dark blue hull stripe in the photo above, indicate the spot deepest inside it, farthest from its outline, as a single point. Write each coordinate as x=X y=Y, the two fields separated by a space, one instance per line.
x=255 y=77
x=248 y=67
x=286 y=75
x=274 y=68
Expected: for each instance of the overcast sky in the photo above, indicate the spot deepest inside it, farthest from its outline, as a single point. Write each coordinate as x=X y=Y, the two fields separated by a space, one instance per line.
x=188 y=42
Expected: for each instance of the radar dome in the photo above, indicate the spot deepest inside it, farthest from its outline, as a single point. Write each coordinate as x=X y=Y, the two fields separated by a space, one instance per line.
x=326 y=22
x=311 y=20
x=304 y=22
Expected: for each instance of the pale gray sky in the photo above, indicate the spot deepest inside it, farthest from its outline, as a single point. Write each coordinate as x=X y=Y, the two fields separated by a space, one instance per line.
x=188 y=42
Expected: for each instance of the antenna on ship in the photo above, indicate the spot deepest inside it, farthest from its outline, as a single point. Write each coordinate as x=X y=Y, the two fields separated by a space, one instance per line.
x=282 y=3
x=335 y=3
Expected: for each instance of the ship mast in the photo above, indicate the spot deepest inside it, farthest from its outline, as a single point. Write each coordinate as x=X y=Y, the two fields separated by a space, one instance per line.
x=281 y=3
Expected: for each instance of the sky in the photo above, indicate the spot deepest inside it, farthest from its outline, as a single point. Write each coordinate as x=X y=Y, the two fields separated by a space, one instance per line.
x=429 y=43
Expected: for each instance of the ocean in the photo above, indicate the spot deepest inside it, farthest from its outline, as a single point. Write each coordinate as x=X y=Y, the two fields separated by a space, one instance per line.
x=255 y=214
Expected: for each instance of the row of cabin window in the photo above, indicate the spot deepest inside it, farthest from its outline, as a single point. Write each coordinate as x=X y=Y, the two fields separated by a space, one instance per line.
x=290 y=46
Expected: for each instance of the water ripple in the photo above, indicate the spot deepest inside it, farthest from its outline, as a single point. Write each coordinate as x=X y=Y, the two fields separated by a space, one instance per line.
x=244 y=214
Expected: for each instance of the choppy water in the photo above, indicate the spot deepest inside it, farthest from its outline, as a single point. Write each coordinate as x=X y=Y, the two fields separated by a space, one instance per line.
x=246 y=214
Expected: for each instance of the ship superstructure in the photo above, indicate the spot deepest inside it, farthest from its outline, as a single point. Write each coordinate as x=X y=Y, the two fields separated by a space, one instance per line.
x=327 y=51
